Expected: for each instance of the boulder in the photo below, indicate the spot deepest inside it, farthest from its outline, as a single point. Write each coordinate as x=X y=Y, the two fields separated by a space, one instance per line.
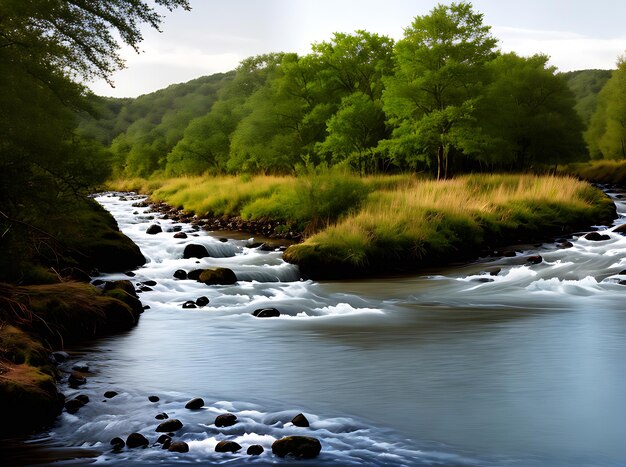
x=566 y=244
x=620 y=229
x=72 y=406
x=217 y=276
x=195 y=404
x=118 y=443
x=227 y=446
x=154 y=229
x=304 y=447
x=123 y=285
x=180 y=274
x=597 y=237
x=226 y=419
x=76 y=379
x=195 y=274
x=83 y=398
x=189 y=304
x=162 y=416
x=136 y=440
x=163 y=438
x=170 y=425
x=166 y=443
x=534 y=259
x=202 y=301
x=482 y=280
x=255 y=450
x=178 y=446
x=193 y=250
x=300 y=420
x=266 y=313
x=492 y=270
x=180 y=235
x=149 y=283
x=153 y=398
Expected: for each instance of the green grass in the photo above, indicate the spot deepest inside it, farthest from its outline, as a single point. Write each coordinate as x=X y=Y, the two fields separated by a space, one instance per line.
x=427 y=222
x=603 y=171
x=381 y=224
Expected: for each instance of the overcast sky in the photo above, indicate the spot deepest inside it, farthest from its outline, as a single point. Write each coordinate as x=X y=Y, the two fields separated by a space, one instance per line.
x=217 y=34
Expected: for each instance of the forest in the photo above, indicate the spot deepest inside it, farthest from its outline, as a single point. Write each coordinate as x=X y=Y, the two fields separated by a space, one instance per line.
x=441 y=101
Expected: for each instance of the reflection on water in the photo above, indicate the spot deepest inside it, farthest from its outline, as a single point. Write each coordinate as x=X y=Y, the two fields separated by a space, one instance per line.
x=446 y=369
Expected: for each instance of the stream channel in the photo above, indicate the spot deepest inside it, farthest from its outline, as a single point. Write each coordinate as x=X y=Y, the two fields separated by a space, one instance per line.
x=457 y=367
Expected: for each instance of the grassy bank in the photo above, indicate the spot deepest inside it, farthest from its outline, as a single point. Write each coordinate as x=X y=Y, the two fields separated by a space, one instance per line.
x=604 y=171
x=46 y=301
x=362 y=226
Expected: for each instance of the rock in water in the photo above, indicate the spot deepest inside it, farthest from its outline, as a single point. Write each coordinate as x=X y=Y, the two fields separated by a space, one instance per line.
x=189 y=304
x=300 y=420
x=153 y=398
x=217 y=276
x=226 y=419
x=154 y=229
x=202 y=301
x=193 y=250
x=110 y=394
x=170 y=425
x=117 y=443
x=266 y=313
x=76 y=379
x=179 y=446
x=136 y=440
x=255 y=450
x=180 y=274
x=304 y=447
x=161 y=416
x=72 y=406
x=227 y=446
x=534 y=259
x=597 y=237
x=163 y=438
x=180 y=235
x=194 y=404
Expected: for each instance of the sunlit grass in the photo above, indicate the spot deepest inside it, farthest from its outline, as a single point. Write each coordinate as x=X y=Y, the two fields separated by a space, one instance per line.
x=602 y=171
x=399 y=219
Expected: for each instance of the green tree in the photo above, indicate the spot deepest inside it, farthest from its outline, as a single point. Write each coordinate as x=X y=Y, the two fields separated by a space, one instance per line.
x=354 y=131
x=606 y=136
x=439 y=75
x=527 y=115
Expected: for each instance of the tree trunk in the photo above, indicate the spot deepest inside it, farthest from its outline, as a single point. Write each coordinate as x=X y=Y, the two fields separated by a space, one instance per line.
x=440 y=152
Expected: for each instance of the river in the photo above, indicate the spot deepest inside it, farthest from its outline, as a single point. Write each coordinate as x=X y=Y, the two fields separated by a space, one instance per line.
x=457 y=367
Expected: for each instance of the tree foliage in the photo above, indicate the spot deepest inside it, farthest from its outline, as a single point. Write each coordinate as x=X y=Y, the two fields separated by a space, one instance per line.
x=442 y=100
x=606 y=136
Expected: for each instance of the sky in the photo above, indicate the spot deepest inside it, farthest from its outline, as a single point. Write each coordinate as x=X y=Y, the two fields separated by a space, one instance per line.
x=217 y=34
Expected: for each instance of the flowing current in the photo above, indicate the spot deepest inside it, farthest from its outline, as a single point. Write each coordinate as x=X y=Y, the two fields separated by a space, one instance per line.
x=460 y=367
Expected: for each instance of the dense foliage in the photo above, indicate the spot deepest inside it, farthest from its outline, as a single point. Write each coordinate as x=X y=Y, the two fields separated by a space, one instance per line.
x=606 y=135
x=45 y=164
x=442 y=100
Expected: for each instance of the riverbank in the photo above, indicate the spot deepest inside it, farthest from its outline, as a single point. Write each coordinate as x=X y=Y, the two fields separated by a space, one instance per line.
x=356 y=227
x=609 y=172
x=46 y=302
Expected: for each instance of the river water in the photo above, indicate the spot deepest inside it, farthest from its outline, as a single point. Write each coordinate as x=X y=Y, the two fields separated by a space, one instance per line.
x=458 y=367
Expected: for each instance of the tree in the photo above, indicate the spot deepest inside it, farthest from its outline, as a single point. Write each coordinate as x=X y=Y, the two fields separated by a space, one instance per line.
x=354 y=131
x=439 y=73
x=46 y=48
x=606 y=136
x=527 y=115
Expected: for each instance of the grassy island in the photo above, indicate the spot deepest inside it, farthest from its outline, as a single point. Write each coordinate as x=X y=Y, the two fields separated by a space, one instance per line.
x=357 y=226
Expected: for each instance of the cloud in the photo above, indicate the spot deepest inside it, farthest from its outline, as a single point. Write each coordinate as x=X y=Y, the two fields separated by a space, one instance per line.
x=568 y=51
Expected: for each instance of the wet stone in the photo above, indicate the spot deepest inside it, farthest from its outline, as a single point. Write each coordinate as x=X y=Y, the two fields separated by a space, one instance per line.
x=180 y=274
x=154 y=229
x=74 y=405
x=117 y=443
x=189 y=304
x=162 y=416
x=170 y=425
x=202 y=301
x=300 y=420
x=227 y=446
x=178 y=446
x=224 y=420
x=255 y=450
x=153 y=398
x=266 y=313
x=136 y=440
x=83 y=398
x=76 y=379
x=194 y=404
x=163 y=438
x=304 y=447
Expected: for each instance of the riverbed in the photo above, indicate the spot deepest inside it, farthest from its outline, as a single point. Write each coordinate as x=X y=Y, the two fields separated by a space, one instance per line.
x=453 y=367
